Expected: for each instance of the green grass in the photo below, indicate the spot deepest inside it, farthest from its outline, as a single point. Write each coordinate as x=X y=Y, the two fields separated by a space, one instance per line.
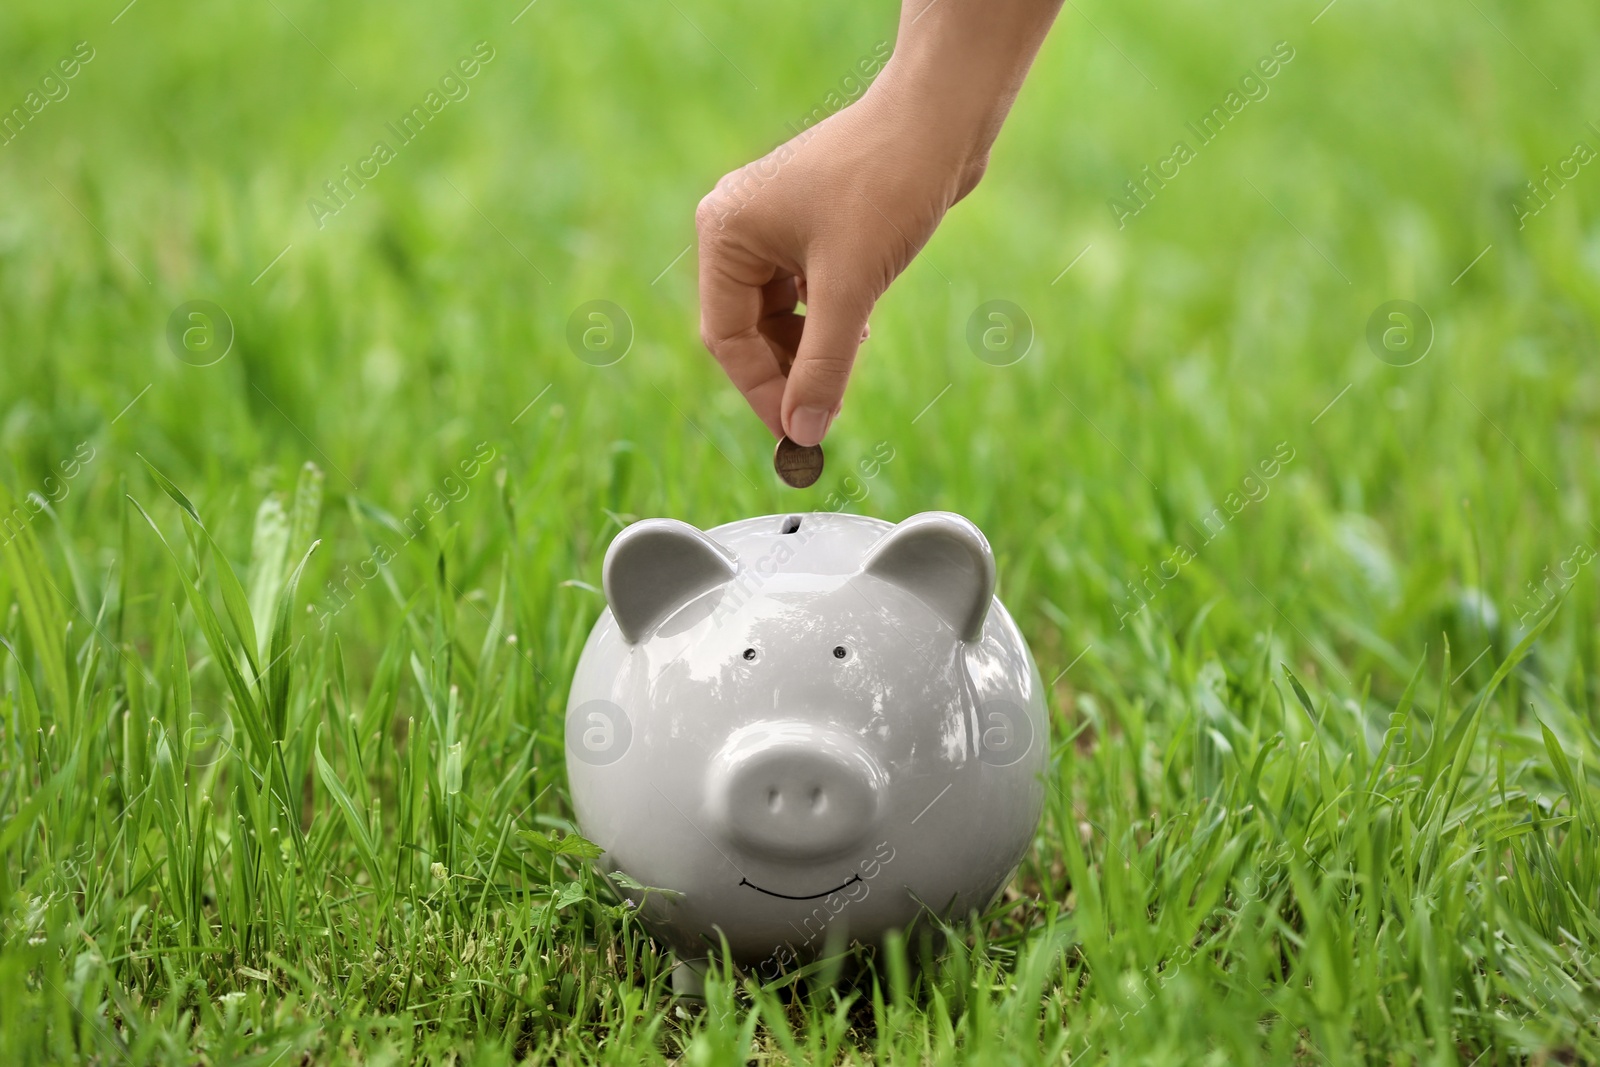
x=1331 y=797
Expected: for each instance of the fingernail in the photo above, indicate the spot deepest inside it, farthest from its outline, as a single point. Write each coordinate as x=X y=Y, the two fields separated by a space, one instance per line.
x=808 y=425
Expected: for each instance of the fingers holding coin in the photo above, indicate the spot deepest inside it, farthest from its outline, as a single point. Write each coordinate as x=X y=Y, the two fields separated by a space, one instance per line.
x=798 y=466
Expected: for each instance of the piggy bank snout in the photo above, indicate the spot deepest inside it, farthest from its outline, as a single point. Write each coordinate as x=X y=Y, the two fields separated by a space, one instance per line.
x=797 y=798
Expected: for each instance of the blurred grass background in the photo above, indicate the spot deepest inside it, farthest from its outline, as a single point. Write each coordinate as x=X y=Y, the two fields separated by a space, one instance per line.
x=1174 y=356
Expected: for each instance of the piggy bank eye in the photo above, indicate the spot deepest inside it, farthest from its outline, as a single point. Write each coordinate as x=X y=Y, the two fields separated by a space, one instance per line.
x=840 y=652
x=750 y=655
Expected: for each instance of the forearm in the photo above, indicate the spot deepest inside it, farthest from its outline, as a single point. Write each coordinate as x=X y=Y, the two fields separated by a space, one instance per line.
x=960 y=64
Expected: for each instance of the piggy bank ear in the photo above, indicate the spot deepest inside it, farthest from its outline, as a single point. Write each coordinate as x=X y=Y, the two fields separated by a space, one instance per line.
x=655 y=567
x=944 y=561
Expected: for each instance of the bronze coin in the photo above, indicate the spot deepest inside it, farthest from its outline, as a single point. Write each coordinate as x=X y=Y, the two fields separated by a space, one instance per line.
x=798 y=465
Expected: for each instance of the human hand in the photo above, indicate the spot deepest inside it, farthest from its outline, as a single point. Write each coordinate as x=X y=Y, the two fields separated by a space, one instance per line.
x=829 y=220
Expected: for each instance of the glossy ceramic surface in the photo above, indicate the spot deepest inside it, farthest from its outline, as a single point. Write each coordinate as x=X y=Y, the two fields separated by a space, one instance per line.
x=801 y=726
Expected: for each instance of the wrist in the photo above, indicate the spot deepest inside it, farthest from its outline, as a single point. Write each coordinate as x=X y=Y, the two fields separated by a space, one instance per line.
x=950 y=120
x=957 y=68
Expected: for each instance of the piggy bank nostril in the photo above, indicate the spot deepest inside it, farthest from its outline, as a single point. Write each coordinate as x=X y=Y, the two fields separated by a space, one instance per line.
x=818 y=800
x=774 y=800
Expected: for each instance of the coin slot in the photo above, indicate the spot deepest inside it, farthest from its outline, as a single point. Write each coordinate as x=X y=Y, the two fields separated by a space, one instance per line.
x=790 y=525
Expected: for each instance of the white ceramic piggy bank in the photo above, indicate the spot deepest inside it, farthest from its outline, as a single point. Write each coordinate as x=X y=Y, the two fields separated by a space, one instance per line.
x=803 y=726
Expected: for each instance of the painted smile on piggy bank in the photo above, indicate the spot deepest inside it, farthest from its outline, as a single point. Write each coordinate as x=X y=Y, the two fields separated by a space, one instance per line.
x=846 y=884
x=793 y=702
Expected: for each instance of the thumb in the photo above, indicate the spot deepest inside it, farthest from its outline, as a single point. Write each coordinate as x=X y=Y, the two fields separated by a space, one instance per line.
x=834 y=325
